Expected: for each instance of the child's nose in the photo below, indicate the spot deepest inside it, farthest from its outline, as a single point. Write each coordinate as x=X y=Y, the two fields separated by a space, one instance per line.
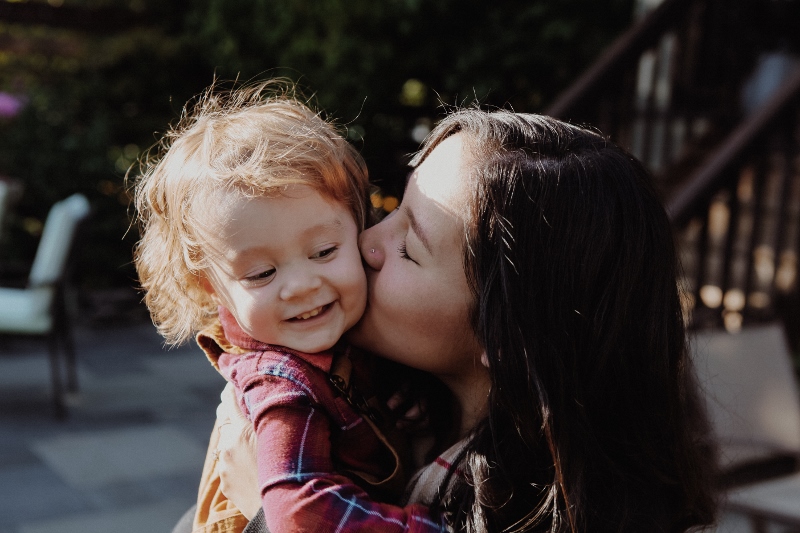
x=300 y=284
x=371 y=250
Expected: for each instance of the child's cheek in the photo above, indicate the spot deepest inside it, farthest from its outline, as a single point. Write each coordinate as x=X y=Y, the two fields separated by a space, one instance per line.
x=355 y=292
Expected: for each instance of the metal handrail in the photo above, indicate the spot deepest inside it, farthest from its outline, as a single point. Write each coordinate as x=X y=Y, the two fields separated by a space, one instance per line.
x=704 y=181
x=618 y=55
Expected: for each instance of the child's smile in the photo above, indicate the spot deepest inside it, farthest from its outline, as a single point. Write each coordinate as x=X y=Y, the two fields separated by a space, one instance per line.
x=288 y=268
x=314 y=312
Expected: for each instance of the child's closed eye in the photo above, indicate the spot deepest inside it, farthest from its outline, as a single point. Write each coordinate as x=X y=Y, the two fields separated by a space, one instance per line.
x=327 y=252
x=261 y=276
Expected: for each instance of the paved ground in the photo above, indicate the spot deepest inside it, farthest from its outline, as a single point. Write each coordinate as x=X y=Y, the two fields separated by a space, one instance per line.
x=129 y=456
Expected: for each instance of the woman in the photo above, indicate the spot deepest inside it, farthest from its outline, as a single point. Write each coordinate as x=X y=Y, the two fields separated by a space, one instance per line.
x=531 y=269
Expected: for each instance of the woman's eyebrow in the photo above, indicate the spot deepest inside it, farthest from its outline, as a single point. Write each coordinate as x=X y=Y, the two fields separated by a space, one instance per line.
x=418 y=230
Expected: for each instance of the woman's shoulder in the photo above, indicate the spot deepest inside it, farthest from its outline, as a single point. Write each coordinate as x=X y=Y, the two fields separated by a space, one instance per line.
x=424 y=486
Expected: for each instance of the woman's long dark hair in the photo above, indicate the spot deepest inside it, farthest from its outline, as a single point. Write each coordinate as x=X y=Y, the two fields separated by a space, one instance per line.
x=594 y=420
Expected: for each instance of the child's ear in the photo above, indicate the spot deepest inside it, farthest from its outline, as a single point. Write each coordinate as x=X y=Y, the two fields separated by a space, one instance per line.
x=205 y=283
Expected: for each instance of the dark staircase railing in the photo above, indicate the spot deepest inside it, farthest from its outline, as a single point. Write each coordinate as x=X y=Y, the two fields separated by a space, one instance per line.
x=737 y=221
x=670 y=90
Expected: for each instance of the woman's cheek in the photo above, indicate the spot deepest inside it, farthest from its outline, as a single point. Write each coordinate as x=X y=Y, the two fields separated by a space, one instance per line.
x=401 y=292
x=393 y=303
x=358 y=296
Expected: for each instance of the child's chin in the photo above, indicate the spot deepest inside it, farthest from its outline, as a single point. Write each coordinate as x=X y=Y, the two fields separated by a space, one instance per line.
x=356 y=336
x=316 y=347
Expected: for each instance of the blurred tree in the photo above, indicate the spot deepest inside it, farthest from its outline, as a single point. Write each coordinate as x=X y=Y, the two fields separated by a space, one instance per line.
x=359 y=56
x=92 y=105
x=383 y=69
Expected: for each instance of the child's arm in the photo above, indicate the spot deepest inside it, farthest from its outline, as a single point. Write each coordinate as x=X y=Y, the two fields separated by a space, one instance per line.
x=299 y=487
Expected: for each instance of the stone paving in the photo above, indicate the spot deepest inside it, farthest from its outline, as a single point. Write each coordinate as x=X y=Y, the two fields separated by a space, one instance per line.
x=129 y=456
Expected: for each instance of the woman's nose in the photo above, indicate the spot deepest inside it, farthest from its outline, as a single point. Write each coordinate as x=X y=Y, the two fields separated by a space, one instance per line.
x=371 y=247
x=298 y=284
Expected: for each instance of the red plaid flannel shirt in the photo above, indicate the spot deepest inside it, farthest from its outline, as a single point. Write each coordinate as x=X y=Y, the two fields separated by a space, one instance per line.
x=297 y=416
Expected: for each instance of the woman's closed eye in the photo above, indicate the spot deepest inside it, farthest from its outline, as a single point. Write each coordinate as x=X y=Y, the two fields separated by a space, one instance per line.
x=404 y=252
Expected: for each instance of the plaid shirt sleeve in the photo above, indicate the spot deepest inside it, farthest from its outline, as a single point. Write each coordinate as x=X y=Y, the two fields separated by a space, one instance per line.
x=300 y=490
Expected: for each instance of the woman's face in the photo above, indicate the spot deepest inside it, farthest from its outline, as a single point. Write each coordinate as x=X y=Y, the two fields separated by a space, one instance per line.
x=419 y=301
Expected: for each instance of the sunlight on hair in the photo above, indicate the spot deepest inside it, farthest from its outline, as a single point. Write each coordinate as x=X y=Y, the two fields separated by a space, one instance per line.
x=687 y=306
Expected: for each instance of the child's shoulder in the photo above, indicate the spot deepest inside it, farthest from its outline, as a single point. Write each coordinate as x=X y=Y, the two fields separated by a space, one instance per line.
x=213 y=342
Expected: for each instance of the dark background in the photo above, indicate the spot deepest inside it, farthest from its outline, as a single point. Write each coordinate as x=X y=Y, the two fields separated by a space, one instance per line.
x=101 y=80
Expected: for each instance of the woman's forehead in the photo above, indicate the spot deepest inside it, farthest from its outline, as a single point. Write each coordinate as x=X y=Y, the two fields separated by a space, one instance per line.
x=437 y=193
x=441 y=178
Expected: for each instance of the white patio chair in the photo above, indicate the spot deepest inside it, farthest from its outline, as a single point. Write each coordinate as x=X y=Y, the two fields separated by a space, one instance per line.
x=39 y=309
x=754 y=406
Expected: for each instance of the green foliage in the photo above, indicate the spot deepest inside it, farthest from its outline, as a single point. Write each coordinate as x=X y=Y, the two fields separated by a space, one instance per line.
x=87 y=118
x=357 y=55
x=379 y=67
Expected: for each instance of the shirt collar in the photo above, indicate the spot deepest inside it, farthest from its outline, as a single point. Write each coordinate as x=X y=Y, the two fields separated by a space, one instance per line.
x=228 y=336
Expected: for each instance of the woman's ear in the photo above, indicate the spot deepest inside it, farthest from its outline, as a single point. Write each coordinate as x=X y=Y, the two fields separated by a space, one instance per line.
x=485 y=359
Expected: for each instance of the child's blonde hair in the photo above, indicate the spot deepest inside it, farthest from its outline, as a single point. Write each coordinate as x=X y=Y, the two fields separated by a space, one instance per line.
x=253 y=141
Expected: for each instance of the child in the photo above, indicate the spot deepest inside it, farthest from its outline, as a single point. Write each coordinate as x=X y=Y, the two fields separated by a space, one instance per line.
x=250 y=224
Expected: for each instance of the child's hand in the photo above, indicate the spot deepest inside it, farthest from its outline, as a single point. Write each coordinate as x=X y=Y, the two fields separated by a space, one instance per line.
x=237 y=456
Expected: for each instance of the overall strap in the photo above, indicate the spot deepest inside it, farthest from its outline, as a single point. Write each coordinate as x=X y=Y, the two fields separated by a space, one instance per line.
x=370 y=407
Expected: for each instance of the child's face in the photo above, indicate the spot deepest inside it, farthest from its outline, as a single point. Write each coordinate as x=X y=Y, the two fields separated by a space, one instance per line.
x=288 y=268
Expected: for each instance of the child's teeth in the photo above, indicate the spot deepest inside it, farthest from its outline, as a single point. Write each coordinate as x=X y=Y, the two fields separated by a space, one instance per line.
x=306 y=316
